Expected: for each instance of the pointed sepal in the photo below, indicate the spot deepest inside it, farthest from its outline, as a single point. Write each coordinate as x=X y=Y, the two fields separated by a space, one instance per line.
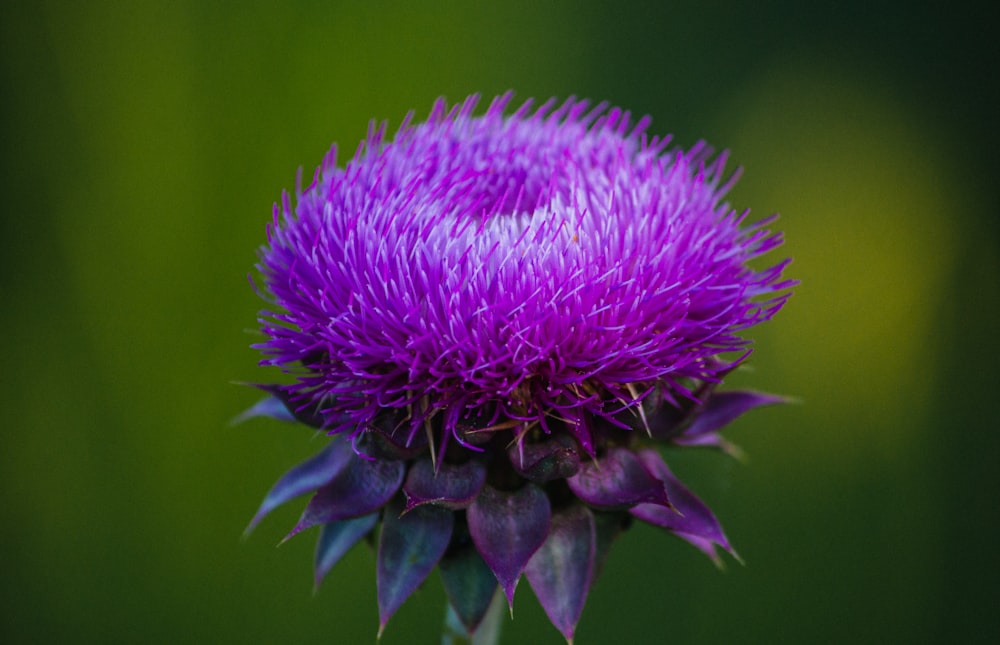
x=580 y=424
x=561 y=570
x=711 y=440
x=305 y=478
x=279 y=405
x=608 y=526
x=469 y=583
x=376 y=443
x=707 y=547
x=453 y=485
x=336 y=539
x=361 y=487
x=617 y=481
x=693 y=521
x=553 y=458
x=722 y=408
x=270 y=406
x=409 y=547
x=487 y=630
x=507 y=528
x=663 y=419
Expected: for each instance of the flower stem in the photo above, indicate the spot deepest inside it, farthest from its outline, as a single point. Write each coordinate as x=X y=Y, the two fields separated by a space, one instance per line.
x=488 y=631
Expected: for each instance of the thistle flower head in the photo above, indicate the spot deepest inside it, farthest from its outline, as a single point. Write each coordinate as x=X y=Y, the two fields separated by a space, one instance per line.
x=495 y=318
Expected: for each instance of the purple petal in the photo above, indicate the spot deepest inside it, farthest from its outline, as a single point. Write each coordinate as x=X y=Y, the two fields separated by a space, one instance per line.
x=561 y=570
x=692 y=520
x=336 y=539
x=469 y=583
x=507 y=528
x=453 y=486
x=305 y=478
x=362 y=487
x=555 y=458
x=408 y=549
x=722 y=408
x=617 y=481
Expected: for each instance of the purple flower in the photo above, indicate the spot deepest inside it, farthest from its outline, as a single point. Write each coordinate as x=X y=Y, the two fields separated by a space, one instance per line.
x=496 y=319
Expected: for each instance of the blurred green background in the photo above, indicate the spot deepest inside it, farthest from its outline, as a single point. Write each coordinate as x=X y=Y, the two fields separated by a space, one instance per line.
x=143 y=146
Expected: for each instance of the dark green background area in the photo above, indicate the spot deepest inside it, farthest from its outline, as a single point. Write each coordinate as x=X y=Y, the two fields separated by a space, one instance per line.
x=143 y=146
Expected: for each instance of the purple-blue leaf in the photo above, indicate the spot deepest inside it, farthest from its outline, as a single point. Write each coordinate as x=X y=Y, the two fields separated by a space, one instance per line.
x=561 y=570
x=693 y=520
x=305 y=478
x=507 y=528
x=408 y=549
x=617 y=481
x=360 y=488
x=336 y=539
x=722 y=408
x=469 y=583
x=453 y=486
